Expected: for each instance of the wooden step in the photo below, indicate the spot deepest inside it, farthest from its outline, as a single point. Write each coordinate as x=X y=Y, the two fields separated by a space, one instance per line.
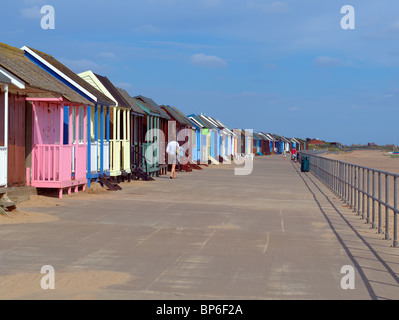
x=6 y=203
x=195 y=166
x=111 y=185
x=139 y=172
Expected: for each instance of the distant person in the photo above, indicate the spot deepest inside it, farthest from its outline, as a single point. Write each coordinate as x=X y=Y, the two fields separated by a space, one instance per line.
x=293 y=154
x=173 y=149
x=284 y=154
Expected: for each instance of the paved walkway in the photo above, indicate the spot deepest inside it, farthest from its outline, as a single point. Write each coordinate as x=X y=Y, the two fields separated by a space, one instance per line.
x=275 y=234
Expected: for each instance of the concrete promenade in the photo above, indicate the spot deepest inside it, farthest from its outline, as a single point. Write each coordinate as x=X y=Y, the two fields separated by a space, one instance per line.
x=275 y=234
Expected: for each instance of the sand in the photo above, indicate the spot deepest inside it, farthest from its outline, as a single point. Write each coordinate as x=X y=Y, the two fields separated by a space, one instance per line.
x=49 y=199
x=375 y=159
x=79 y=285
x=19 y=216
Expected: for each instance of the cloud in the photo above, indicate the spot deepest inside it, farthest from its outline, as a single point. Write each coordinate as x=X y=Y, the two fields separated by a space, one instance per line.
x=328 y=62
x=293 y=109
x=204 y=60
x=106 y=55
x=124 y=85
x=271 y=8
x=211 y=3
x=32 y=13
x=175 y=44
x=394 y=26
x=270 y=66
x=82 y=65
x=35 y=1
x=148 y=28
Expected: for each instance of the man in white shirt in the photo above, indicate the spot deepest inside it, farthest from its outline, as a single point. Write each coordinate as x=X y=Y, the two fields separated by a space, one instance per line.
x=172 y=150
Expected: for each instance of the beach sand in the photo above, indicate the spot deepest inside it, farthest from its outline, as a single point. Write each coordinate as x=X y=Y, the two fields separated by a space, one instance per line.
x=375 y=159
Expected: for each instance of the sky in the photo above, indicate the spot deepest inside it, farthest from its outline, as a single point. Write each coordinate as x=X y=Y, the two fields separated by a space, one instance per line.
x=286 y=67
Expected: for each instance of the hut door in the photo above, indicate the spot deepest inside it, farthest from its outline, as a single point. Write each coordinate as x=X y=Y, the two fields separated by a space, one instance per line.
x=16 y=141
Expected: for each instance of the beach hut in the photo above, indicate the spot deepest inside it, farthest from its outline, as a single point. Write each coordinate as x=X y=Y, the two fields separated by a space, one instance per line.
x=248 y=141
x=152 y=149
x=213 y=141
x=282 y=144
x=302 y=144
x=158 y=119
x=294 y=143
x=257 y=141
x=5 y=82
x=201 y=151
x=47 y=153
x=138 y=162
x=220 y=141
x=267 y=143
x=273 y=143
x=98 y=115
x=229 y=137
x=264 y=143
x=185 y=134
x=119 y=135
x=224 y=135
x=241 y=141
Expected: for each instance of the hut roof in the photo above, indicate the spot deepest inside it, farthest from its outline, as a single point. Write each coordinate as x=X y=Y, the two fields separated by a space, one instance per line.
x=154 y=106
x=59 y=70
x=132 y=102
x=143 y=105
x=205 y=120
x=177 y=115
x=316 y=142
x=196 y=121
x=113 y=91
x=15 y=62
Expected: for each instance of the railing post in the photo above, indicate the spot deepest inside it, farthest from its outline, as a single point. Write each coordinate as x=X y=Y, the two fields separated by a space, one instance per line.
x=386 y=207
x=368 y=196
x=346 y=175
x=395 y=214
x=358 y=191
x=373 y=226
x=363 y=190
x=379 y=204
x=351 y=185
x=355 y=190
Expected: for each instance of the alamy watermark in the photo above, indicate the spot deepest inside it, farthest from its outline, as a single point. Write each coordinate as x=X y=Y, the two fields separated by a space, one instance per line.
x=348 y=280
x=48 y=280
x=48 y=19
x=210 y=148
x=348 y=20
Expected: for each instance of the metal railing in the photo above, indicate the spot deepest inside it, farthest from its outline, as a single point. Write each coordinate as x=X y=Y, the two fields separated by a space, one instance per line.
x=371 y=193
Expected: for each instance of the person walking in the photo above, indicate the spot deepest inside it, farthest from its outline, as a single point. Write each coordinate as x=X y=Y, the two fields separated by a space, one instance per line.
x=173 y=149
x=293 y=154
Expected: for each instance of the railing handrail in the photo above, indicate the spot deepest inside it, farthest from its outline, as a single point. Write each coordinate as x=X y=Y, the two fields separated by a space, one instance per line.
x=141 y=158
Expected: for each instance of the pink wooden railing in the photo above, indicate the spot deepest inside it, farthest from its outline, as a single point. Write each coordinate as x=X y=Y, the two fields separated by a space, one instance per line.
x=53 y=163
x=47 y=161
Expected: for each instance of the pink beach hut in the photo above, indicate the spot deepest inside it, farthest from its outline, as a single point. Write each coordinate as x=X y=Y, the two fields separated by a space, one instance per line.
x=58 y=155
x=57 y=163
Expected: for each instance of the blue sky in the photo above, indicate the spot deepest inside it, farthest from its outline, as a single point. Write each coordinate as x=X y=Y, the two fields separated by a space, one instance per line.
x=285 y=67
